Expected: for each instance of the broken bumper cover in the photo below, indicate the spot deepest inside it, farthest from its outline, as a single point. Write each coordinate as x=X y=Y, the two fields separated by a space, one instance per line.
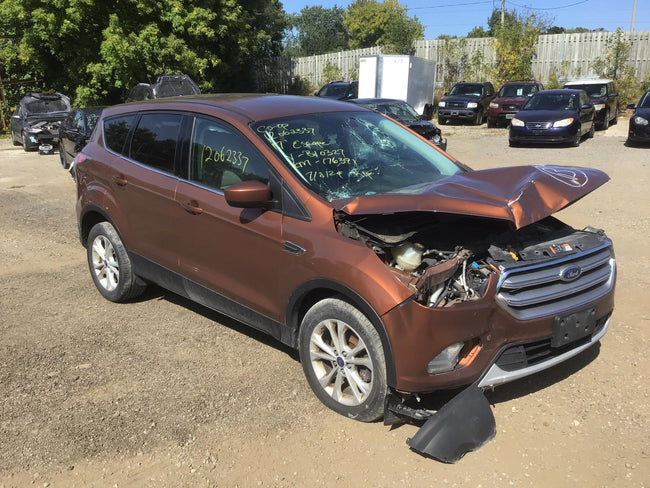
x=466 y=422
x=462 y=425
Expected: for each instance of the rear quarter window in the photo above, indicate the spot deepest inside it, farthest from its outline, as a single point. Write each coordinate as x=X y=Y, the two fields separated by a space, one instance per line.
x=116 y=130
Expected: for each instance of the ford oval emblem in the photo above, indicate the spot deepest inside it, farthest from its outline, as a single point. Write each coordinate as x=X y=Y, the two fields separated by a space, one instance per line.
x=570 y=273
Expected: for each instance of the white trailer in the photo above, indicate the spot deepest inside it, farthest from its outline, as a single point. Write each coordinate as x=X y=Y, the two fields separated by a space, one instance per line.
x=401 y=77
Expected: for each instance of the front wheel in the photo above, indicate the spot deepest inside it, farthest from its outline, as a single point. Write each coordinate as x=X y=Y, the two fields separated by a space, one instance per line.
x=479 y=118
x=62 y=156
x=442 y=120
x=605 y=125
x=576 y=140
x=343 y=359
x=110 y=265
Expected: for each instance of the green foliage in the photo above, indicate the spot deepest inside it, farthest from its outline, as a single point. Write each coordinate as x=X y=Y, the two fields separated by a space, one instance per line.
x=300 y=86
x=96 y=51
x=477 y=32
x=454 y=60
x=331 y=73
x=319 y=30
x=614 y=64
x=515 y=44
x=371 y=23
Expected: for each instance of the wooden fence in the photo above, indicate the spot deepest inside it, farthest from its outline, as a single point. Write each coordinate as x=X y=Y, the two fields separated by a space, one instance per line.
x=563 y=55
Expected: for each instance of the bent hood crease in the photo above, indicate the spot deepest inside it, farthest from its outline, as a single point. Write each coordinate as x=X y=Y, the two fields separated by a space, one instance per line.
x=520 y=194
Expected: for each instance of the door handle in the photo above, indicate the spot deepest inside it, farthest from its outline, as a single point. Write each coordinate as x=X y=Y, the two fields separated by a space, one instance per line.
x=192 y=207
x=120 y=180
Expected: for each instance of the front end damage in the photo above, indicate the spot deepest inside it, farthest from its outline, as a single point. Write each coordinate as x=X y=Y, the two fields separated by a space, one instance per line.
x=42 y=134
x=486 y=284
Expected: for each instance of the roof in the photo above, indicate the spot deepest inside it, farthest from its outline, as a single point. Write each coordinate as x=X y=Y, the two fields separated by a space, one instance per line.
x=253 y=106
x=589 y=81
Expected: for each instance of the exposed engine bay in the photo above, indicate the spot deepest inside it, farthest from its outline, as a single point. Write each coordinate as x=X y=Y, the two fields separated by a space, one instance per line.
x=446 y=259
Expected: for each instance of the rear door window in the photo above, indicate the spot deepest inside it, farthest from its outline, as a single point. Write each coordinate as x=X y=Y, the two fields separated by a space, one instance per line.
x=155 y=139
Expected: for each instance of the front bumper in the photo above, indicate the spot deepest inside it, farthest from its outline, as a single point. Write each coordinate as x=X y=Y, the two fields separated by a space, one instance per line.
x=638 y=133
x=493 y=335
x=457 y=113
x=562 y=135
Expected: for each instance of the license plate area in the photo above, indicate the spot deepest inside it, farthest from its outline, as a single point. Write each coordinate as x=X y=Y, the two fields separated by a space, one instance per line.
x=510 y=116
x=454 y=112
x=572 y=327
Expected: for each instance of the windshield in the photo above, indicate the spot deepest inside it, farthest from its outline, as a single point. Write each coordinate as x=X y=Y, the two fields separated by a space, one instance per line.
x=592 y=89
x=553 y=101
x=45 y=105
x=645 y=100
x=402 y=112
x=349 y=154
x=517 y=90
x=472 y=89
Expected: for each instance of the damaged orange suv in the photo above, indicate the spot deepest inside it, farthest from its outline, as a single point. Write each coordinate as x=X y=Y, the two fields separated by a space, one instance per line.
x=391 y=267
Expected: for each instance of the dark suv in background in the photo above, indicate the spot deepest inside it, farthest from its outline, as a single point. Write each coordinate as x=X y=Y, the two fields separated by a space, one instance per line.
x=35 y=123
x=164 y=86
x=511 y=98
x=339 y=90
x=466 y=102
x=603 y=96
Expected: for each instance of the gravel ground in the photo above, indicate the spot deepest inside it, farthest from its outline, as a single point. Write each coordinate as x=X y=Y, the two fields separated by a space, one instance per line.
x=163 y=392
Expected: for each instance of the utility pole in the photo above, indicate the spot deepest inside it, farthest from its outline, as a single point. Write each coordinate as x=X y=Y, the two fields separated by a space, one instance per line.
x=633 y=15
x=503 y=11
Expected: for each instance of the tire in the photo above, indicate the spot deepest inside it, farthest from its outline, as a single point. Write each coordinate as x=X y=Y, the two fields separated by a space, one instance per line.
x=349 y=377
x=110 y=266
x=576 y=141
x=591 y=132
x=63 y=158
x=491 y=123
x=442 y=120
x=614 y=121
x=25 y=148
x=605 y=124
x=14 y=141
x=479 y=118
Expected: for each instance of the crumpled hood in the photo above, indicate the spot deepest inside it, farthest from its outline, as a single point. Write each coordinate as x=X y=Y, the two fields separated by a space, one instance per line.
x=520 y=194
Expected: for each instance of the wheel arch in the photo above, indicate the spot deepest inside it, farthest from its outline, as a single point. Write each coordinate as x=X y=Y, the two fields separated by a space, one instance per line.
x=311 y=292
x=91 y=216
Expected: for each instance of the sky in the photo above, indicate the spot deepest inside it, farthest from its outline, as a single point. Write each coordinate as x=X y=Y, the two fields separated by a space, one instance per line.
x=458 y=17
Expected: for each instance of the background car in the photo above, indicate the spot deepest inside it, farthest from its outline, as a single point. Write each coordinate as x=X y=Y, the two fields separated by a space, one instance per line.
x=511 y=98
x=405 y=114
x=339 y=90
x=164 y=86
x=554 y=116
x=74 y=132
x=604 y=98
x=640 y=121
x=35 y=123
x=466 y=102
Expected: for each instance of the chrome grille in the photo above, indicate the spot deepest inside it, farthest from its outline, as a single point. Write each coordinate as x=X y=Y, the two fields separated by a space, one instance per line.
x=542 y=289
x=512 y=107
x=456 y=104
x=538 y=125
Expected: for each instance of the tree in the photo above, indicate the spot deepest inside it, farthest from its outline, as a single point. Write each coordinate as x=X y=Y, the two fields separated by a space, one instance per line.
x=96 y=51
x=515 y=44
x=319 y=30
x=477 y=32
x=385 y=24
x=614 y=64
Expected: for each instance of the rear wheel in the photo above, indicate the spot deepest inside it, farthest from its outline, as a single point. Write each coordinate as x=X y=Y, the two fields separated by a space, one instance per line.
x=590 y=134
x=343 y=359
x=110 y=265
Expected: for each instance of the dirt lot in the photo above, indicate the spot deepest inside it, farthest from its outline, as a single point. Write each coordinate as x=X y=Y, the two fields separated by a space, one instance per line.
x=162 y=392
